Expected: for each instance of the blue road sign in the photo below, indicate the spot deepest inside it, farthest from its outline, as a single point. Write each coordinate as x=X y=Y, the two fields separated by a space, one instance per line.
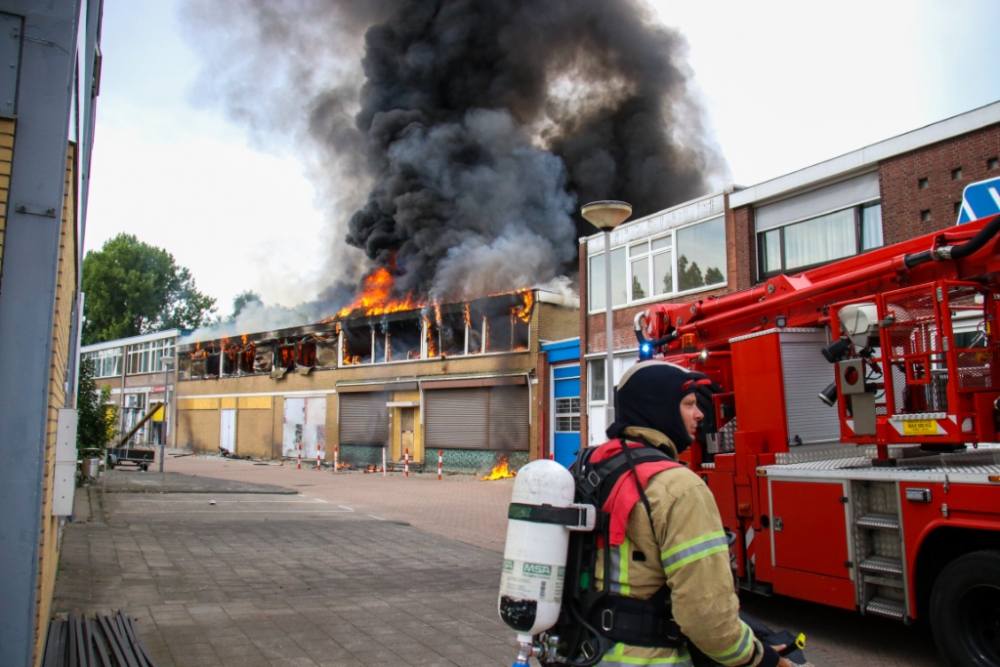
x=980 y=200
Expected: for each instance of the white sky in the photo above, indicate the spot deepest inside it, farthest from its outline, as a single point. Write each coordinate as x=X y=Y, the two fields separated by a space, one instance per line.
x=786 y=84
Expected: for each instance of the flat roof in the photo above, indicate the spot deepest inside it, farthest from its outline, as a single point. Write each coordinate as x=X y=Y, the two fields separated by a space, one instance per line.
x=867 y=158
x=145 y=338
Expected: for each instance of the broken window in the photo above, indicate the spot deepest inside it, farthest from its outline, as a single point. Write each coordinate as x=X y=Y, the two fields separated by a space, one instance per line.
x=263 y=357
x=326 y=350
x=248 y=357
x=452 y=332
x=230 y=358
x=183 y=366
x=285 y=356
x=306 y=356
x=403 y=338
x=357 y=345
x=501 y=324
x=212 y=359
x=379 y=337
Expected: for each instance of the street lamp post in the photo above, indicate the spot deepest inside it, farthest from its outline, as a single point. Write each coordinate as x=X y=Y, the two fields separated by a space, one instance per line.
x=166 y=361
x=606 y=215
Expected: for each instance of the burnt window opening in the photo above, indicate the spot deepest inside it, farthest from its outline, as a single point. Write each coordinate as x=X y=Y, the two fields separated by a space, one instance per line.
x=184 y=366
x=212 y=363
x=506 y=332
x=403 y=339
x=306 y=352
x=230 y=360
x=379 y=344
x=263 y=360
x=452 y=334
x=248 y=357
x=285 y=355
x=357 y=345
x=326 y=351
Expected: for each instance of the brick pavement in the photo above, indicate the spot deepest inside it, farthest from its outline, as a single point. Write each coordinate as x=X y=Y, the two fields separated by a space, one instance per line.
x=280 y=582
x=283 y=580
x=459 y=506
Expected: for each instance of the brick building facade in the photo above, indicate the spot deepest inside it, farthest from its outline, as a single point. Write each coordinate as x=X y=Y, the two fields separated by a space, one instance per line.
x=897 y=189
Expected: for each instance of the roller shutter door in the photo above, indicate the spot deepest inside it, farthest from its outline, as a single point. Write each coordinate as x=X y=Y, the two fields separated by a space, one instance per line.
x=508 y=418
x=457 y=418
x=364 y=418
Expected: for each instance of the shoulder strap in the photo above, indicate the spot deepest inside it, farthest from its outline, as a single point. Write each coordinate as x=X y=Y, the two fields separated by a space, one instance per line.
x=597 y=479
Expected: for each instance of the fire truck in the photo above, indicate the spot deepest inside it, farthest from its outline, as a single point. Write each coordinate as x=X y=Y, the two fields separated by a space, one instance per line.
x=852 y=448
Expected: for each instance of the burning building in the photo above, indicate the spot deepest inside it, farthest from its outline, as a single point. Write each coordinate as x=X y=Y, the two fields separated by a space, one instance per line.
x=409 y=378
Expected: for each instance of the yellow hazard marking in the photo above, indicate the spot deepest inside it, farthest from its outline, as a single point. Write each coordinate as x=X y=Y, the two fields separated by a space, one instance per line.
x=920 y=427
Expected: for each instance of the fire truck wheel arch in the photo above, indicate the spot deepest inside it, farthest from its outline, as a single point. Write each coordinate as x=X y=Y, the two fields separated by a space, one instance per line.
x=943 y=544
x=965 y=610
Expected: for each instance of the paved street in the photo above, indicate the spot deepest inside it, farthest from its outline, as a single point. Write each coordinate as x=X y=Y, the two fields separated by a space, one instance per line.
x=333 y=575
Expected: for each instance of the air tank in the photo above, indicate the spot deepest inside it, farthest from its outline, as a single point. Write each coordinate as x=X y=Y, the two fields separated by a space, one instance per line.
x=534 y=558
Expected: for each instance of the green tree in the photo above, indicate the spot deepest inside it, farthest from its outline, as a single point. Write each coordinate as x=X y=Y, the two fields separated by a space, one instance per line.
x=242 y=300
x=92 y=425
x=134 y=288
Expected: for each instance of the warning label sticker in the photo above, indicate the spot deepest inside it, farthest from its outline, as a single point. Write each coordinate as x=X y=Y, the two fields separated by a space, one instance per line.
x=920 y=427
x=535 y=581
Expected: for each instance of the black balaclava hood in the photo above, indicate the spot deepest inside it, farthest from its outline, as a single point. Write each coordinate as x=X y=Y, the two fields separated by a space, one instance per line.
x=649 y=396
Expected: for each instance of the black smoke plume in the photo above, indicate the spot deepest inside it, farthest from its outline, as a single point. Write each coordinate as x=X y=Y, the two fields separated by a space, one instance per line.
x=476 y=127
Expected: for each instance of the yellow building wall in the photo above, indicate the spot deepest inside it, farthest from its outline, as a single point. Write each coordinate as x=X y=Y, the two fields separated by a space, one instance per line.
x=6 y=158
x=332 y=425
x=48 y=552
x=253 y=431
x=199 y=430
x=549 y=322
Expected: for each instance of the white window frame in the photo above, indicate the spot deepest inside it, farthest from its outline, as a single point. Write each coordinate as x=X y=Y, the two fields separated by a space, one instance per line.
x=649 y=255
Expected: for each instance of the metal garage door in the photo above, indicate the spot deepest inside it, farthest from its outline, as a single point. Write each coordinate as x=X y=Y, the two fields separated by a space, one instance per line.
x=364 y=418
x=457 y=418
x=509 y=418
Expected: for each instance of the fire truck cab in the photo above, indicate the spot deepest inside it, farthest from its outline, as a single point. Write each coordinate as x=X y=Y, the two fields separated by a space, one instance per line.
x=852 y=449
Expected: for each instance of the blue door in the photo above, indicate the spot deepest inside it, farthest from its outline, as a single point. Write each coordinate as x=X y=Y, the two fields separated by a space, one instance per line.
x=566 y=412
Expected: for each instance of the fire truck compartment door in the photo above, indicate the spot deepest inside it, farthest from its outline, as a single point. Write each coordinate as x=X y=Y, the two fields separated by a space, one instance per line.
x=809 y=527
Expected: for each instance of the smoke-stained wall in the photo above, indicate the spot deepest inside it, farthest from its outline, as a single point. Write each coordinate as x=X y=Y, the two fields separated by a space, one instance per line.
x=462 y=133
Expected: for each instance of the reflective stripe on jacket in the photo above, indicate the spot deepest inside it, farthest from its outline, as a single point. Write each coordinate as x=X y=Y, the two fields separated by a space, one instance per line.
x=689 y=552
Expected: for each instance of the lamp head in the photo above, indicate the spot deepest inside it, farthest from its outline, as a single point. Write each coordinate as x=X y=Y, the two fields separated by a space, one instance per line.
x=829 y=395
x=606 y=215
x=836 y=350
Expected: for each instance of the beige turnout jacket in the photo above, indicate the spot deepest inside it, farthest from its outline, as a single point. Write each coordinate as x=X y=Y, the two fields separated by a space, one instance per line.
x=689 y=551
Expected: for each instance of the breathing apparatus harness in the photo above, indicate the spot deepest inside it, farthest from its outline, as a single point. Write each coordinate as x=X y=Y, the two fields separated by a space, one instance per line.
x=592 y=621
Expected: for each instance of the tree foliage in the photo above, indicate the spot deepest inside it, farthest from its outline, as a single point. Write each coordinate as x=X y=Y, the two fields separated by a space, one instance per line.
x=134 y=288
x=91 y=427
x=96 y=419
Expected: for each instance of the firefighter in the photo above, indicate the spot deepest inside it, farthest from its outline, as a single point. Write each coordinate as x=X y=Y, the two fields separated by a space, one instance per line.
x=667 y=539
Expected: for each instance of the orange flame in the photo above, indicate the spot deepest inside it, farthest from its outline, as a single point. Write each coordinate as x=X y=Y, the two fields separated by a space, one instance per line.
x=500 y=471
x=431 y=349
x=374 y=298
x=524 y=312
